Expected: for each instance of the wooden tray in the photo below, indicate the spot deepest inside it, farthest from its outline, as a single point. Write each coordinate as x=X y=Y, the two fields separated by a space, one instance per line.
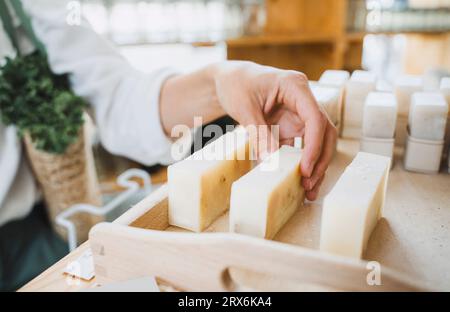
x=141 y=243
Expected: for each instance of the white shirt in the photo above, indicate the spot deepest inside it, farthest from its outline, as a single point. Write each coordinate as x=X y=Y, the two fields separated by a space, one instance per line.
x=125 y=102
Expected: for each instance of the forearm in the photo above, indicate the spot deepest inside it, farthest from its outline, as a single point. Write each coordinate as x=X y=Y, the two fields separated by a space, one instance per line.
x=191 y=95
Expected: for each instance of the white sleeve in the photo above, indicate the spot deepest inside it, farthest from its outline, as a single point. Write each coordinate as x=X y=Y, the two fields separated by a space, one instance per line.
x=125 y=101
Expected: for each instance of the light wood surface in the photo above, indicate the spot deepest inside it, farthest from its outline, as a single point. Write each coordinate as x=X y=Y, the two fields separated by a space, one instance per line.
x=412 y=239
x=204 y=262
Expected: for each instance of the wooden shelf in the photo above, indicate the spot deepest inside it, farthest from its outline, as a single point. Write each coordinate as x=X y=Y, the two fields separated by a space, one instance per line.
x=303 y=35
x=280 y=39
x=294 y=39
x=355 y=36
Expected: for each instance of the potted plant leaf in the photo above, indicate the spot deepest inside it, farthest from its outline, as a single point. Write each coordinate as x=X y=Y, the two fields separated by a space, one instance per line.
x=50 y=118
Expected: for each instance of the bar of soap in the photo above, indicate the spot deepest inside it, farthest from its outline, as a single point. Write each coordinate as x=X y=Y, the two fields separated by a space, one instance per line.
x=264 y=199
x=328 y=98
x=353 y=207
x=428 y=116
x=405 y=86
x=361 y=83
x=384 y=86
x=380 y=115
x=200 y=185
x=335 y=78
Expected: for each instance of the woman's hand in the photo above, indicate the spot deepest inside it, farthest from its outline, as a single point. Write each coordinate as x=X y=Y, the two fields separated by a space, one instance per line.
x=256 y=95
x=259 y=95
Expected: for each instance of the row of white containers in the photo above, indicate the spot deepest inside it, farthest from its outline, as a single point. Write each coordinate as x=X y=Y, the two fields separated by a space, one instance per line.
x=406 y=116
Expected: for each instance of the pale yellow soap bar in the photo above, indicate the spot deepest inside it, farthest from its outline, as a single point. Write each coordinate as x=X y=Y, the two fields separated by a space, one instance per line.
x=264 y=199
x=200 y=185
x=353 y=207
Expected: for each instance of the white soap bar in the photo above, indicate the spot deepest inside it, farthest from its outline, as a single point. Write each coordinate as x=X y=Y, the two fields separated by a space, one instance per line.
x=405 y=86
x=353 y=207
x=431 y=80
x=334 y=78
x=200 y=185
x=264 y=199
x=337 y=79
x=380 y=115
x=384 y=86
x=428 y=116
x=445 y=88
x=328 y=98
x=358 y=87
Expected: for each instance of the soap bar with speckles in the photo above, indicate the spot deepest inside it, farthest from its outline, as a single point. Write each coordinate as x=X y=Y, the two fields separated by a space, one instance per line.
x=380 y=115
x=428 y=116
x=263 y=200
x=353 y=207
x=200 y=185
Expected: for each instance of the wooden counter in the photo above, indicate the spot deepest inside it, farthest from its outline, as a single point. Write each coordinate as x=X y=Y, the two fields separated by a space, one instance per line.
x=412 y=238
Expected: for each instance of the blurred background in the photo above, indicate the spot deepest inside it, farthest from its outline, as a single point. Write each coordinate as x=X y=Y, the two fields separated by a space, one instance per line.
x=308 y=35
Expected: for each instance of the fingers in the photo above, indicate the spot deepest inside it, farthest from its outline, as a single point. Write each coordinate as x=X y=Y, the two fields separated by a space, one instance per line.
x=314 y=137
x=263 y=138
x=296 y=94
x=324 y=160
x=312 y=194
x=319 y=134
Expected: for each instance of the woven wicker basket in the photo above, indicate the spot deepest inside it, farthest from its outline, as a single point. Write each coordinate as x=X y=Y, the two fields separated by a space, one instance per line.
x=66 y=180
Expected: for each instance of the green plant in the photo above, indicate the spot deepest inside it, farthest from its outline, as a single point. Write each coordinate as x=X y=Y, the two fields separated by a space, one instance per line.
x=40 y=103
